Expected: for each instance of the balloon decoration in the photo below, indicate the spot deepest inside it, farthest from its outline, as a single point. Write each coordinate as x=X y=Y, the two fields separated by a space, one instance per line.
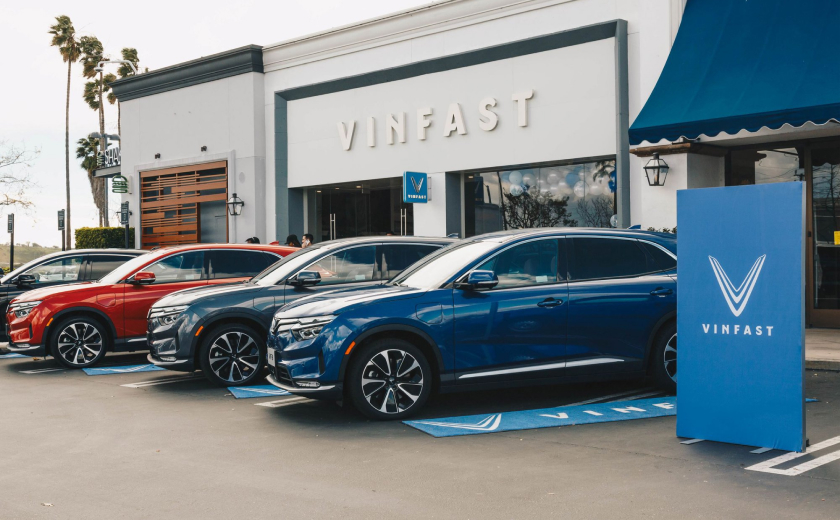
x=580 y=181
x=516 y=189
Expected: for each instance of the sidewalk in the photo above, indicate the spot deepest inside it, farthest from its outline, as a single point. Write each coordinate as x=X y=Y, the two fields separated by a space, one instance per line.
x=822 y=349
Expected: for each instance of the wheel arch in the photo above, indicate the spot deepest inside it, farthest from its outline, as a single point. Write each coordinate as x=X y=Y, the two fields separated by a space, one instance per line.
x=413 y=335
x=215 y=322
x=664 y=321
x=60 y=316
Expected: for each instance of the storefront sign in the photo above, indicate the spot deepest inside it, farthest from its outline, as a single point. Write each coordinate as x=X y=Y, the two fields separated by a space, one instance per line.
x=740 y=315
x=110 y=157
x=119 y=184
x=415 y=188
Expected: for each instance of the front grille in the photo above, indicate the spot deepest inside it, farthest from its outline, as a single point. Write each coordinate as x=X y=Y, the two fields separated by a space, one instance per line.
x=282 y=375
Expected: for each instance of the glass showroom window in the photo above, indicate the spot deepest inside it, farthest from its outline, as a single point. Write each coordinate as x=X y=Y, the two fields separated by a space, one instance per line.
x=570 y=195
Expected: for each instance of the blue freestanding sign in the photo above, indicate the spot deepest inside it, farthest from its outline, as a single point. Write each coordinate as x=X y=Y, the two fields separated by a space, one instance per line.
x=740 y=315
x=415 y=188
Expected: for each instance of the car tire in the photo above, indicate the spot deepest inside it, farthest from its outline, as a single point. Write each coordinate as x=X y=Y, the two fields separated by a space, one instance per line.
x=79 y=342
x=665 y=358
x=232 y=355
x=402 y=391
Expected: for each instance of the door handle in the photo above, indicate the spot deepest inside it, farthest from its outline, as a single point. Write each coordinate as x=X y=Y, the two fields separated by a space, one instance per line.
x=550 y=302
x=659 y=291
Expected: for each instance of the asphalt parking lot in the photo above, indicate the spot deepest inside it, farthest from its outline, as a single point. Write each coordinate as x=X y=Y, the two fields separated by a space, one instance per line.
x=77 y=446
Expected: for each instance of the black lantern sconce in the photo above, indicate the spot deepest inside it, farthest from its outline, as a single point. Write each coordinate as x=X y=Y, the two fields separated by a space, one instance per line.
x=234 y=205
x=656 y=171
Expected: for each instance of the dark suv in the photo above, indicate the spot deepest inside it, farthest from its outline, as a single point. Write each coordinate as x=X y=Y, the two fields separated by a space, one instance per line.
x=64 y=267
x=513 y=308
x=223 y=329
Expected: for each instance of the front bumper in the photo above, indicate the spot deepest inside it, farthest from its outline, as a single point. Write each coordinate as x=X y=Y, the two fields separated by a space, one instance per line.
x=28 y=350
x=180 y=365
x=280 y=378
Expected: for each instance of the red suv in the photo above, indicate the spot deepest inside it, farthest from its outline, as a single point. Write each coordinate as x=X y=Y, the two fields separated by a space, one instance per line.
x=78 y=323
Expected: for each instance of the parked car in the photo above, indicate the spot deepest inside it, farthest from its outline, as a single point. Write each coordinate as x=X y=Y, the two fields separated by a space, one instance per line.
x=223 y=330
x=512 y=308
x=61 y=268
x=78 y=323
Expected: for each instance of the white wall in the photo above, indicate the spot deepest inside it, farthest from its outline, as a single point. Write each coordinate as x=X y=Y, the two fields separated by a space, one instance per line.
x=225 y=115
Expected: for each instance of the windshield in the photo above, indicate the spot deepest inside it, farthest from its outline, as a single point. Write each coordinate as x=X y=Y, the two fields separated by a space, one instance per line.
x=439 y=267
x=22 y=269
x=124 y=271
x=289 y=264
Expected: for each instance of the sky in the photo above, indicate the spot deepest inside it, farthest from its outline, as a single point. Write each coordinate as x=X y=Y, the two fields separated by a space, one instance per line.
x=33 y=86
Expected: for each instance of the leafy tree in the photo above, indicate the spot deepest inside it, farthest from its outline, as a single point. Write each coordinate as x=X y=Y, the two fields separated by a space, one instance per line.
x=530 y=210
x=91 y=54
x=87 y=150
x=128 y=54
x=64 y=37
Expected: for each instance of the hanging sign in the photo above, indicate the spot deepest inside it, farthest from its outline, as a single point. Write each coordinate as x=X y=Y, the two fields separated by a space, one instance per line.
x=119 y=184
x=415 y=188
x=740 y=315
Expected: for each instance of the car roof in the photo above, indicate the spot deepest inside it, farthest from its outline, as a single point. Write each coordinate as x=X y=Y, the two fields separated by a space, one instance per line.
x=255 y=247
x=57 y=254
x=515 y=234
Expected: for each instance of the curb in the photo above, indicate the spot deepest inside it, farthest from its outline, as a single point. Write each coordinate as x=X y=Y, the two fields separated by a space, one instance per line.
x=822 y=364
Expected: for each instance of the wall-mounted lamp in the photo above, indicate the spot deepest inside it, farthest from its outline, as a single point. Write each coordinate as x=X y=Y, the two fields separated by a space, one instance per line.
x=234 y=205
x=157 y=156
x=203 y=148
x=656 y=171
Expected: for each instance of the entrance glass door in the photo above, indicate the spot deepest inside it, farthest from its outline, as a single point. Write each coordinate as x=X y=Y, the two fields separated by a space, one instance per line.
x=824 y=236
x=369 y=208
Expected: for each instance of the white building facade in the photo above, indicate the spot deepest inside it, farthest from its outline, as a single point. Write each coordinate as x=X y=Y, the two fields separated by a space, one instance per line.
x=517 y=111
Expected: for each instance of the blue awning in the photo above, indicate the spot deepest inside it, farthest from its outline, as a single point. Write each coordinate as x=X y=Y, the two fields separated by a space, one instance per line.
x=743 y=65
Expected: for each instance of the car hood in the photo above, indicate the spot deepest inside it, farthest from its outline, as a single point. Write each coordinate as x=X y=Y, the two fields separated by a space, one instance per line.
x=45 y=292
x=197 y=294
x=337 y=302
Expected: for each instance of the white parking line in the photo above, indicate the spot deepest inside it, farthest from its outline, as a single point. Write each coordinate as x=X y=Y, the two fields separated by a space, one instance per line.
x=768 y=465
x=283 y=402
x=41 y=370
x=155 y=382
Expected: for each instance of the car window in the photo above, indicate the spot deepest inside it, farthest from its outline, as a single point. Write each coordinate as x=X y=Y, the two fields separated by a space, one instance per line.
x=531 y=263
x=662 y=261
x=391 y=259
x=62 y=270
x=182 y=267
x=231 y=263
x=355 y=264
x=100 y=265
x=595 y=258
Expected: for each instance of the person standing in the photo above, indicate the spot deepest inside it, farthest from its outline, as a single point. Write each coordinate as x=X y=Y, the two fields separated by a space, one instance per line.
x=292 y=241
x=307 y=241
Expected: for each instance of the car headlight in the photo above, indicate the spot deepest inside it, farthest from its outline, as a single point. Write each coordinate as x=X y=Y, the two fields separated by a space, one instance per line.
x=300 y=328
x=22 y=309
x=166 y=315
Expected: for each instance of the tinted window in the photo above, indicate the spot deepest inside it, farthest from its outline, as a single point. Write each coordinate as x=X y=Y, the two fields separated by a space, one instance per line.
x=347 y=266
x=595 y=258
x=238 y=264
x=531 y=263
x=62 y=270
x=184 y=267
x=662 y=261
x=391 y=259
x=100 y=265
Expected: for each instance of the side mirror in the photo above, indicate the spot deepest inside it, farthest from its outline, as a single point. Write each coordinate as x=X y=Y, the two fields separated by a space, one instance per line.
x=306 y=279
x=26 y=279
x=143 y=278
x=477 y=280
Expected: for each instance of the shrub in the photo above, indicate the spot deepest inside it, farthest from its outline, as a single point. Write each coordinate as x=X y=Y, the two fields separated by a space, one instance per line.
x=102 y=237
x=664 y=230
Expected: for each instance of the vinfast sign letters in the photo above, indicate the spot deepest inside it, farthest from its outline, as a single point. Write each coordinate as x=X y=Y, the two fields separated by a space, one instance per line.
x=740 y=315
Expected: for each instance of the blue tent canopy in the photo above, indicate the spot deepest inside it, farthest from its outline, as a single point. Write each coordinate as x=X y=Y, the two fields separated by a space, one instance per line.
x=743 y=65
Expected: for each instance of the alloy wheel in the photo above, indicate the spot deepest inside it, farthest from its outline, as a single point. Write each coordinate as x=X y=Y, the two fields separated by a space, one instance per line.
x=234 y=357
x=80 y=343
x=670 y=358
x=392 y=381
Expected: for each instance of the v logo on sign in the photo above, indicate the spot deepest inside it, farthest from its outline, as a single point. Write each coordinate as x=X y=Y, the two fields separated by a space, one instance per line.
x=417 y=185
x=488 y=424
x=737 y=298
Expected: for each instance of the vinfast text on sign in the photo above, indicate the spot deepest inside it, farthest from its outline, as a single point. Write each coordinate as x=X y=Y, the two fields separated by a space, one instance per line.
x=395 y=124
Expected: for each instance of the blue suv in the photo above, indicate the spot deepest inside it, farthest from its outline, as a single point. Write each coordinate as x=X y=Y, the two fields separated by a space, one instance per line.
x=512 y=308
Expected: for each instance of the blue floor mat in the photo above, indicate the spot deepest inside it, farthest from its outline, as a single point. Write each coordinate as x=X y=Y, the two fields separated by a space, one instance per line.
x=548 y=417
x=129 y=369
x=11 y=355
x=249 y=392
x=811 y=400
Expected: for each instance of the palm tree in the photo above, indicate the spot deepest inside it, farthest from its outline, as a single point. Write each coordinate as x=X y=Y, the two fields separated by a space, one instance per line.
x=64 y=37
x=128 y=54
x=88 y=150
x=91 y=54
